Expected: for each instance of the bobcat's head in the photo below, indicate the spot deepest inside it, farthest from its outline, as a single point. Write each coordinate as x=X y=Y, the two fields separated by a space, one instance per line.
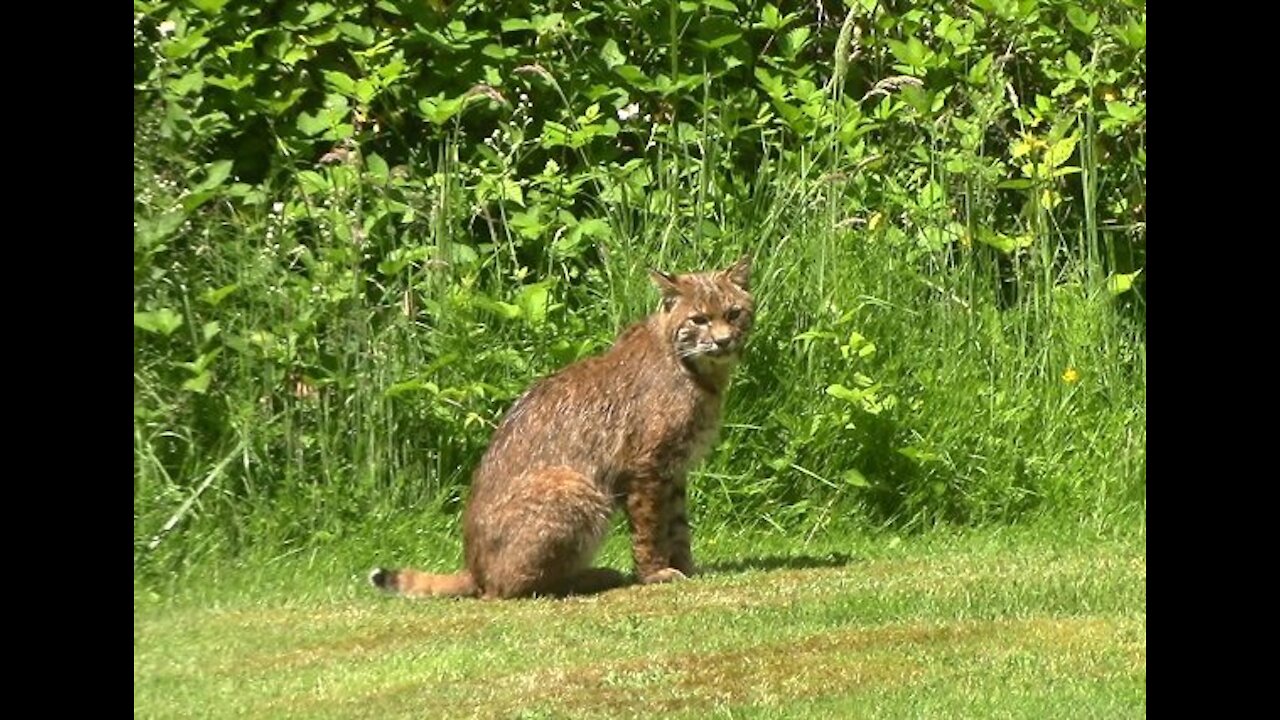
x=707 y=315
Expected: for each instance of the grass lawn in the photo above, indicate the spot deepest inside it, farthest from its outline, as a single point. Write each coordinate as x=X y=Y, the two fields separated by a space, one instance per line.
x=1035 y=623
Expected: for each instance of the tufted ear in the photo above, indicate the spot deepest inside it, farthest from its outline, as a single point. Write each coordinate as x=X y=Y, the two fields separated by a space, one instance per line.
x=739 y=273
x=669 y=285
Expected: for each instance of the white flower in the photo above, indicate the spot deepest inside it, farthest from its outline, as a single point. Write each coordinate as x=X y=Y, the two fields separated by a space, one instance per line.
x=628 y=112
x=167 y=28
x=277 y=208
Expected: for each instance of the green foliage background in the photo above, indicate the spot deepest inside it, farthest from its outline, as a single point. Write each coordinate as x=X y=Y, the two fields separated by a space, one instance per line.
x=361 y=229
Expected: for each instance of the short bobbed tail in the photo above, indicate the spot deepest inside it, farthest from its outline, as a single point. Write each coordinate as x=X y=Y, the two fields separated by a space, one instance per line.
x=417 y=584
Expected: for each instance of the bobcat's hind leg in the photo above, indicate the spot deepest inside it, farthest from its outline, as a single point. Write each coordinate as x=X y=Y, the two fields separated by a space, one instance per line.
x=594 y=580
x=546 y=535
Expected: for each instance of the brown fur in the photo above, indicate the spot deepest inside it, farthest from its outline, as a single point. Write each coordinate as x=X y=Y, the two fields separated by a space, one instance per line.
x=621 y=429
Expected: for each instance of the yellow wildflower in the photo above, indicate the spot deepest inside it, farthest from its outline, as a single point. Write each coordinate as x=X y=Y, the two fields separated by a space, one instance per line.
x=1071 y=375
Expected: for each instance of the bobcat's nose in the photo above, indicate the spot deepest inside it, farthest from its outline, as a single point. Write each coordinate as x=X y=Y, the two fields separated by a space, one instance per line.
x=723 y=342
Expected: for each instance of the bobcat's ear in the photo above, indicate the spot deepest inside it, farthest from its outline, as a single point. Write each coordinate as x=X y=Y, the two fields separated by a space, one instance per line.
x=668 y=284
x=739 y=273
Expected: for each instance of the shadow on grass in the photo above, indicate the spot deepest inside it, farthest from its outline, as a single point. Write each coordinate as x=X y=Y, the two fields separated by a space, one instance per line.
x=779 y=562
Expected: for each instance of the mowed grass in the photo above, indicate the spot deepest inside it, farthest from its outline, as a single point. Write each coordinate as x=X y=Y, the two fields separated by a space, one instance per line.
x=1010 y=623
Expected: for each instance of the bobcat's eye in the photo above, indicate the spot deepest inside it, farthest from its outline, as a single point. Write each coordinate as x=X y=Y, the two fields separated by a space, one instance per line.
x=699 y=319
x=733 y=313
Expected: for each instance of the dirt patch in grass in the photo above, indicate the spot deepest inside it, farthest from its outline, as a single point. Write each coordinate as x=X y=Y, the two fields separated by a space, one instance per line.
x=847 y=662
x=377 y=637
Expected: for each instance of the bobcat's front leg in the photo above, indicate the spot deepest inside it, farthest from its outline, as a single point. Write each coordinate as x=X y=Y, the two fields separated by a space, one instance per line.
x=650 y=534
x=678 y=530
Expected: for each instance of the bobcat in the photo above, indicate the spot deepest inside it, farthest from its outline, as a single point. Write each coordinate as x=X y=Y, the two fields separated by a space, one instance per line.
x=620 y=429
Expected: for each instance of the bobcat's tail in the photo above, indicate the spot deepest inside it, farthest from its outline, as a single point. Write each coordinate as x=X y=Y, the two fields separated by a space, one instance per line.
x=414 y=583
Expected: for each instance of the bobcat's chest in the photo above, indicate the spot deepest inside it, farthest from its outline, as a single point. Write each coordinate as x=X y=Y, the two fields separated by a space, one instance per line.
x=694 y=439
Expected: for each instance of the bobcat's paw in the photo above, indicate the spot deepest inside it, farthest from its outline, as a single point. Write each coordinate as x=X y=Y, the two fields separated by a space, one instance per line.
x=688 y=570
x=663 y=576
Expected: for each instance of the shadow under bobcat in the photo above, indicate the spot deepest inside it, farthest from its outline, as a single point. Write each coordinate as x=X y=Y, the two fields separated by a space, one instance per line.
x=616 y=431
x=780 y=562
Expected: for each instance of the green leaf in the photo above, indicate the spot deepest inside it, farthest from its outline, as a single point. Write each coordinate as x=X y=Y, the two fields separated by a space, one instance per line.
x=1002 y=242
x=504 y=310
x=1133 y=34
x=231 y=82
x=216 y=172
x=1016 y=184
x=401 y=258
x=543 y=24
x=1073 y=63
x=770 y=18
x=198 y=384
x=533 y=301
x=377 y=166
x=438 y=110
x=844 y=393
x=210 y=330
x=1122 y=111
x=718 y=31
x=611 y=55
x=808 y=336
x=411 y=386
x=461 y=254
x=181 y=47
x=503 y=189
x=1121 y=283
x=1062 y=150
x=855 y=479
x=340 y=81
x=772 y=85
x=724 y=5
x=317 y=12
x=312 y=182
x=917 y=98
x=161 y=322
x=1081 y=20
x=312 y=124
x=153 y=230
x=912 y=52
x=633 y=75
x=209 y=7
x=192 y=82
x=497 y=52
x=514 y=24
x=359 y=33
x=919 y=454
x=794 y=40
x=201 y=363
x=216 y=296
x=528 y=223
x=570 y=244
